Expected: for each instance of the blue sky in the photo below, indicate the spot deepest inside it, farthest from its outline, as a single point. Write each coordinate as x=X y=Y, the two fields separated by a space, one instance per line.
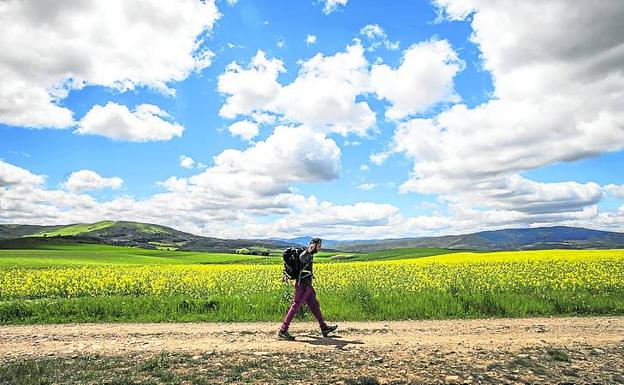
x=528 y=149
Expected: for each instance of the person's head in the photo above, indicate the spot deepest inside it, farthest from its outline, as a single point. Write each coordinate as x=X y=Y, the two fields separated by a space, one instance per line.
x=315 y=245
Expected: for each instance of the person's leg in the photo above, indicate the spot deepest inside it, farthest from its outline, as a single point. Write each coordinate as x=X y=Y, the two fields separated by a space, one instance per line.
x=315 y=307
x=298 y=299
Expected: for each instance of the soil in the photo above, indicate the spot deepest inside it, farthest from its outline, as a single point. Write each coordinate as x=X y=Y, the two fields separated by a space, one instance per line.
x=557 y=350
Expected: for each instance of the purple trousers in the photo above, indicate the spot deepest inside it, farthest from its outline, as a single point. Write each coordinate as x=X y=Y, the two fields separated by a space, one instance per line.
x=303 y=293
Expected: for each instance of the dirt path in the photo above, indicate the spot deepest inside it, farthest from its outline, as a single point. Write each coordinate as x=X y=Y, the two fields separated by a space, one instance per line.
x=584 y=349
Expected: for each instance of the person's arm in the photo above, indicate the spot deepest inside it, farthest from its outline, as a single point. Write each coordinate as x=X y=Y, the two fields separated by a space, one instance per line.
x=305 y=257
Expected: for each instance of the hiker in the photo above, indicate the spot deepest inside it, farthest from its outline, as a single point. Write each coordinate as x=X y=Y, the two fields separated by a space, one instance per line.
x=304 y=292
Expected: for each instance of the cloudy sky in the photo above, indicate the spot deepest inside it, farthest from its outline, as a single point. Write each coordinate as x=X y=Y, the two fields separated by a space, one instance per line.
x=335 y=118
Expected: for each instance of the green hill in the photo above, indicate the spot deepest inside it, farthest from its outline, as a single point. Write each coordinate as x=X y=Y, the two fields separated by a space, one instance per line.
x=77 y=229
x=123 y=233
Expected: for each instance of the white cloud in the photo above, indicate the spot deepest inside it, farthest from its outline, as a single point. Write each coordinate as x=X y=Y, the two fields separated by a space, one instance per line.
x=379 y=158
x=87 y=180
x=322 y=96
x=49 y=50
x=237 y=189
x=146 y=123
x=364 y=167
x=378 y=37
x=245 y=129
x=258 y=176
x=423 y=79
x=290 y=154
x=557 y=98
x=310 y=215
x=186 y=161
x=281 y=42
x=230 y=199
x=372 y=31
x=328 y=87
x=515 y=193
x=251 y=89
x=263 y=118
x=617 y=191
x=331 y=5
x=311 y=39
x=366 y=186
x=11 y=175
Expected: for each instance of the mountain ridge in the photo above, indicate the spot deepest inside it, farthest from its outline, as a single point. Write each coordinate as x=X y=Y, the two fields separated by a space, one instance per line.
x=148 y=235
x=125 y=233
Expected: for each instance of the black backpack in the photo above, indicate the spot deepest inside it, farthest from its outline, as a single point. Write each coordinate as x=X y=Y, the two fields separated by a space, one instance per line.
x=292 y=265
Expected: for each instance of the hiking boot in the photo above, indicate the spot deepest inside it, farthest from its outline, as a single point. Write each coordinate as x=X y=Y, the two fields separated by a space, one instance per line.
x=328 y=329
x=284 y=335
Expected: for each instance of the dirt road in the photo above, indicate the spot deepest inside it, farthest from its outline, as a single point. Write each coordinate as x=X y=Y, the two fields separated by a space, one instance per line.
x=535 y=350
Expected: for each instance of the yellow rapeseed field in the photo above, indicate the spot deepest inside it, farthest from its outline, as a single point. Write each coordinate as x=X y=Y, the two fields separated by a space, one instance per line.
x=596 y=271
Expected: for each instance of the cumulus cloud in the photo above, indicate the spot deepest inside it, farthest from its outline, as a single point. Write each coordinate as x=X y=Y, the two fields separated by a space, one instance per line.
x=245 y=129
x=11 y=175
x=423 y=79
x=50 y=48
x=617 y=191
x=311 y=39
x=290 y=154
x=310 y=213
x=146 y=123
x=249 y=89
x=332 y=5
x=227 y=204
x=377 y=37
x=328 y=87
x=515 y=193
x=186 y=161
x=258 y=179
x=87 y=180
x=557 y=98
x=237 y=189
x=323 y=96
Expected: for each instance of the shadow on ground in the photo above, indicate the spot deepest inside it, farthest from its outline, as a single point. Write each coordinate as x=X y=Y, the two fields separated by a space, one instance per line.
x=336 y=341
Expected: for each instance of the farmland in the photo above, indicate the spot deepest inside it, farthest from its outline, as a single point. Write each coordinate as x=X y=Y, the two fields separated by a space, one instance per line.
x=78 y=283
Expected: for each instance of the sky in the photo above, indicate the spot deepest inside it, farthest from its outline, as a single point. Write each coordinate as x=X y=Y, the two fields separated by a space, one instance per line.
x=343 y=119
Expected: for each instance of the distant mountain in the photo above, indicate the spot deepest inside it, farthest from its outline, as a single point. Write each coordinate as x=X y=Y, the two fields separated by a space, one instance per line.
x=557 y=237
x=303 y=241
x=16 y=231
x=151 y=236
x=125 y=233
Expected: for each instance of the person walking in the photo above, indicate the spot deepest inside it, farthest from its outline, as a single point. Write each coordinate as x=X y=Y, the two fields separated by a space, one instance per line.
x=304 y=293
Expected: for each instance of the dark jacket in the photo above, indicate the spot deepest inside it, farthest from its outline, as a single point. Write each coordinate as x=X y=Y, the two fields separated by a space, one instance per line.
x=306 y=275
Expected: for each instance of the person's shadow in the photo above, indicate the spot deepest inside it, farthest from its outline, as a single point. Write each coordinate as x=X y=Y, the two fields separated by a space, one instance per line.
x=336 y=341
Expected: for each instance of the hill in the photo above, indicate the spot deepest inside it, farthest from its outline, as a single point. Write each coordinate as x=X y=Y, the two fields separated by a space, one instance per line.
x=557 y=237
x=151 y=236
x=124 y=233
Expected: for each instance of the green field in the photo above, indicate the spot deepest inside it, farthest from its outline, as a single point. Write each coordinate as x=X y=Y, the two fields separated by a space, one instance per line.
x=99 y=255
x=392 y=254
x=51 y=255
x=98 y=283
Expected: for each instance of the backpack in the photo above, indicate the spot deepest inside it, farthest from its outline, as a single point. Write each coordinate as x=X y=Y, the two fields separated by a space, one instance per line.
x=292 y=265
